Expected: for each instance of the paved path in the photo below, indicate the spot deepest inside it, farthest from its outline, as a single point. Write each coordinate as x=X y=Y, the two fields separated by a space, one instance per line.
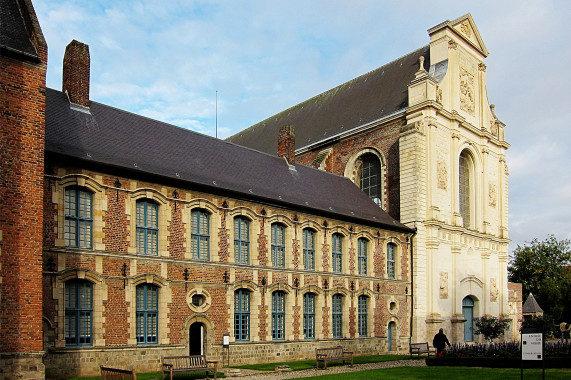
x=261 y=375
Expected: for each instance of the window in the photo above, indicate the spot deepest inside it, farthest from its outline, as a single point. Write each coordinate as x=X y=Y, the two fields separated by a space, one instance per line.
x=200 y=235
x=309 y=315
x=337 y=255
x=309 y=249
x=242 y=315
x=147 y=228
x=78 y=313
x=78 y=218
x=370 y=176
x=241 y=240
x=278 y=315
x=362 y=256
x=337 y=309
x=278 y=245
x=391 y=254
x=362 y=315
x=465 y=166
x=147 y=314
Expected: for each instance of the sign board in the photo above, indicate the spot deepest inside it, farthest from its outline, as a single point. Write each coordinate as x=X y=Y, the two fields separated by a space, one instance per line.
x=226 y=340
x=532 y=346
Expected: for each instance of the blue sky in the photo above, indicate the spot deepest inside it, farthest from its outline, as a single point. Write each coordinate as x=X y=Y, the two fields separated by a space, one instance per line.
x=167 y=59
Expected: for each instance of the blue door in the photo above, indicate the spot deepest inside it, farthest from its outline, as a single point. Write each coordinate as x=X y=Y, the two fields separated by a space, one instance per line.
x=468 y=311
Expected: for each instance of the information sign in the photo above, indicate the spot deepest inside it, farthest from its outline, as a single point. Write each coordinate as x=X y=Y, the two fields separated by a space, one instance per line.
x=531 y=346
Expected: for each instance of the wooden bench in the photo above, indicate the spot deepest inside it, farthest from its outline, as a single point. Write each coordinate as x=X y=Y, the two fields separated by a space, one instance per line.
x=421 y=348
x=108 y=373
x=333 y=353
x=192 y=363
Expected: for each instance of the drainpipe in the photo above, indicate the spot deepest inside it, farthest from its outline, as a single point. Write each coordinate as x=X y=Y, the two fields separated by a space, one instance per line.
x=411 y=283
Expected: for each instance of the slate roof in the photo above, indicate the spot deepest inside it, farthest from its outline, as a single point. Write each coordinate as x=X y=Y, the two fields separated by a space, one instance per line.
x=14 y=36
x=119 y=139
x=370 y=97
x=531 y=306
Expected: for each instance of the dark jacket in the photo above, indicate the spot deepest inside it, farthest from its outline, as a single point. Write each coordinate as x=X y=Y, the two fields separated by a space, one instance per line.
x=440 y=341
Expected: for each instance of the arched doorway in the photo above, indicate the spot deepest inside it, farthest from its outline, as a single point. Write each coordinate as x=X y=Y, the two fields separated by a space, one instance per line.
x=468 y=312
x=392 y=335
x=197 y=339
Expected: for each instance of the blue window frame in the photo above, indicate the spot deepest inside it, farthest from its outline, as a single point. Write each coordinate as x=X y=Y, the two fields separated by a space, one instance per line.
x=241 y=240
x=337 y=314
x=278 y=315
x=391 y=260
x=200 y=235
x=362 y=314
x=147 y=314
x=309 y=315
x=362 y=256
x=78 y=204
x=309 y=249
x=278 y=245
x=78 y=313
x=147 y=228
x=337 y=253
x=242 y=315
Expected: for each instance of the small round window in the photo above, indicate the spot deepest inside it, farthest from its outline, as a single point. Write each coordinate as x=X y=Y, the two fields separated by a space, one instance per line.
x=392 y=306
x=198 y=300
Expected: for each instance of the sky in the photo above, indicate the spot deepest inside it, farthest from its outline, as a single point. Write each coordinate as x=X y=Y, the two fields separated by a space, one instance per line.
x=231 y=64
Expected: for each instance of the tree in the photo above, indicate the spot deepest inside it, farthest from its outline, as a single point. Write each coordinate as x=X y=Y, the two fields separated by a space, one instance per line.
x=543 y=269
x=490 y=327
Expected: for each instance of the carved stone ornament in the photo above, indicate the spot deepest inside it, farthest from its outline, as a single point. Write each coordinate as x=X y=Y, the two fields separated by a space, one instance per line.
x=493 y=290
x=443 y=285
x=465 y=28
x=419 y=126
x=467 y=93
x=438 y=95
x=452 y=44
x=492 y=195
x=482 y=66
x=442 y=173
x=494 y=128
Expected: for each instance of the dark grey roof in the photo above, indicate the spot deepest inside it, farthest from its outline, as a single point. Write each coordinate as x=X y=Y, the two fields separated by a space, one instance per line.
x=370 y=97
x=123 y=140
x=14 y=36
x=531 y=306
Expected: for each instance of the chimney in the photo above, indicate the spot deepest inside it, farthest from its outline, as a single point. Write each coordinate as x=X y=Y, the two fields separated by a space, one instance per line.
x=286 y=144
x=76 y=73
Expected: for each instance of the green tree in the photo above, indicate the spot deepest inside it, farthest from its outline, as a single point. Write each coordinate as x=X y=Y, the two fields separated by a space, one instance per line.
x=543 y=269
x=490 y=327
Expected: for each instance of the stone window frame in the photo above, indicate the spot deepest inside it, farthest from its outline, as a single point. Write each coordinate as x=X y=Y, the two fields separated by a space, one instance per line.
x=371 y=307
x=305 y=232
x=242 y=313
x=309 y=317
x=473 y=186
x=319 y=303
x=214 y=220
x=207 y=300
x=199 y=235
x=345 y=245
x=363 y=314
x=147 y=249
x=77 y=220
x=289 y=304
x=98 y=207
x=78 y=311
x=99 y=294
x=337 y=317
x=371 y=251
x=278 y=248
x=351 y=170
x=319 y=240
x=253 y=230
x=255 y=299
x=147 y=311
x=155 y=196
x=287 y=223
x=164 y=301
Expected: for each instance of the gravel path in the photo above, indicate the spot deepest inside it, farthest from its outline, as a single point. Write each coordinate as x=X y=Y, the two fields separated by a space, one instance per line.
x=259 y=375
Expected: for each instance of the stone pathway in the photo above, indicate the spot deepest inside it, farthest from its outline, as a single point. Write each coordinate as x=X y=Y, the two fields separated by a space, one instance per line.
x=266 y=375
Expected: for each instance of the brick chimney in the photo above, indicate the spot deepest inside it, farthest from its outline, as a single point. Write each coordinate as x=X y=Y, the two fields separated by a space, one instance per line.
x=286 y=143
x=76 y=73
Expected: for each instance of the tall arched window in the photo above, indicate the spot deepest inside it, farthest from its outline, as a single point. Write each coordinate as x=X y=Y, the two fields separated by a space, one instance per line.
x=362 y=256
x=369 y=172
x=309 y=315
x=78 y=313
x=337 y=315
x=147 y=314
x=242 y=315
x=362 y=315
x=465 y=171
x=309 y=249
x=278 y=245
x=147 y=227
x=200 y=235
x=391 y=260
x=278 y=315
x=78 y=218
x=337 y=253
x=241 y=240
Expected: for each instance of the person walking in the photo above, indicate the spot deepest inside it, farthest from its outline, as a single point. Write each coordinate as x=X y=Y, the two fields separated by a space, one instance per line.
x=564 y=327
x=439 y=342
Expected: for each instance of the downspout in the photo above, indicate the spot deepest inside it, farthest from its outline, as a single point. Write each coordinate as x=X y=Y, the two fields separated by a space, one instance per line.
x=411 y=283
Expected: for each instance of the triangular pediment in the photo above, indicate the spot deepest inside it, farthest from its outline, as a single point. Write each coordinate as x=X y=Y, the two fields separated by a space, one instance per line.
x=465 y=28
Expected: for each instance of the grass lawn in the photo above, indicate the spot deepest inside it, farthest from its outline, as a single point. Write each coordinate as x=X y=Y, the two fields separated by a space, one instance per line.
x=448 y=373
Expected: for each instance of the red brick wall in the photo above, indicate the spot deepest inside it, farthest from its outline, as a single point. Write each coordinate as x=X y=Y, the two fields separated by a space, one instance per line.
x=22 y=126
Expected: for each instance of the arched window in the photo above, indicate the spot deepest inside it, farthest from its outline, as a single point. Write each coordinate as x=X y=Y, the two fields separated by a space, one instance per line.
x=147 y=314
x=241 y=240
x=362 y=314
x=278 y=245
x=309 y=315
x=78 y=313
x=362 y=256
x=200 y=235
x=278 y=315
x=369 y=173
x=78 y=218
x=147 y=227
x=337 y=253
x=391 y=260
x=337 y=315
x=242 y=315
x=465 y=170
x=309 y=249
